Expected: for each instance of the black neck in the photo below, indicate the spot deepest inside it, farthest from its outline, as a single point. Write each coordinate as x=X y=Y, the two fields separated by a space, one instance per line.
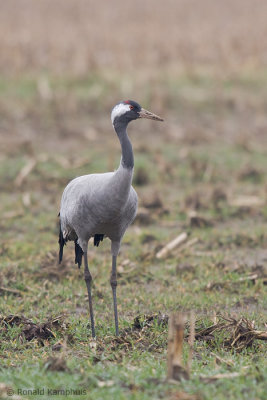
x=127 y=159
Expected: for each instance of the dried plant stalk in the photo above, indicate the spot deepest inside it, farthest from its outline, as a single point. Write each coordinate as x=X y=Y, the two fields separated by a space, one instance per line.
x=191 y=340
x=24 y=172
x=172 y=245
x=176 y=371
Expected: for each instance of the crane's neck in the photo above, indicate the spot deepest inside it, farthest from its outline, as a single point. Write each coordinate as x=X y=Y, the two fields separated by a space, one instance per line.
x=121 y=181
x=127 y=158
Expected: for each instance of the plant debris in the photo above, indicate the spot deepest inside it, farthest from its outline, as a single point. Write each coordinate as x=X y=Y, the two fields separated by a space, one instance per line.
x=148 y=320
x=31 y=330
x=237 y=334
x=176 y=242
x=7 y=392
x=56 y=364
x=25 y=171
x=197 y=221
x=251 y=173
x=249 y=278
x=143 y=216
x=141 y=177
x=175 y=369
x=15 y=292
x=246 y=202
x=153 y=202
x=139 y=335
x=213 y=378
x=50 y=269
x=219 y=360
x=179 y=395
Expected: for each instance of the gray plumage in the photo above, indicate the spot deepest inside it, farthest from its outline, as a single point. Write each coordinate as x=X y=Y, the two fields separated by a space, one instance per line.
x=103 y=205
x=98 y=204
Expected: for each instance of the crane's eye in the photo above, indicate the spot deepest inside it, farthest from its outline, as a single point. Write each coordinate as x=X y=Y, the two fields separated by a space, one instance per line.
x=131 y=107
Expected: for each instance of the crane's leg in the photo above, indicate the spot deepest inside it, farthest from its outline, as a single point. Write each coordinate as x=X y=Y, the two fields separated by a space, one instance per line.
x=113 y=283
x=88 y=281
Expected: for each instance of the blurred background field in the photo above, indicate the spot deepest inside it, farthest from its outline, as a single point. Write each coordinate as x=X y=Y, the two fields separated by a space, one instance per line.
x=76 y=58
x=202 y=66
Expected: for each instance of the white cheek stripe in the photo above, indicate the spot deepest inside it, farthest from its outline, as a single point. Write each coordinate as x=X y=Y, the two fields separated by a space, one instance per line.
x=119 y=110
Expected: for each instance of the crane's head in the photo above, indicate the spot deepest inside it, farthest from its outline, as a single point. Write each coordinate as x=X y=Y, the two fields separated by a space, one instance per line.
x=129 y=110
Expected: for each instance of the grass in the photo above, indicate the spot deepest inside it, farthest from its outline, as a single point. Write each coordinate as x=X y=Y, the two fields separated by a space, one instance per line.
x=205 y=278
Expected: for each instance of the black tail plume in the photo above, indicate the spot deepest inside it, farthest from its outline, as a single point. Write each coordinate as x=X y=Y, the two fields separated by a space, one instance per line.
x=97 y=239
x=78 y=254
x=62 y=243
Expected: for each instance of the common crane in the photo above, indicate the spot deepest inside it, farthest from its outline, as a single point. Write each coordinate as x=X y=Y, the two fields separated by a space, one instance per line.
x=103 y=205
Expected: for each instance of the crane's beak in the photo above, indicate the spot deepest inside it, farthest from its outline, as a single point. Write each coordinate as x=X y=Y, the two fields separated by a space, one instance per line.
x=149 y=115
